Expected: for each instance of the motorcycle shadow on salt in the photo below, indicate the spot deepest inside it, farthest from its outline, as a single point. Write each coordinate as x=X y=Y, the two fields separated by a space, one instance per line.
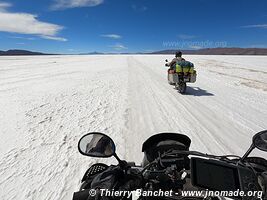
x=196 y=91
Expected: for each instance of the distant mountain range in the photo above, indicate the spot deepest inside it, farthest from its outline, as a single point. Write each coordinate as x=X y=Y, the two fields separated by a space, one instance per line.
x=18 y=52
x=92 y=53
x=219 y=51
x=208 y=51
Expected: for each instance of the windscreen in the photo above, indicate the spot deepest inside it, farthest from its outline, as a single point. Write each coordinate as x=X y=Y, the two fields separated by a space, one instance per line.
x=214 y=175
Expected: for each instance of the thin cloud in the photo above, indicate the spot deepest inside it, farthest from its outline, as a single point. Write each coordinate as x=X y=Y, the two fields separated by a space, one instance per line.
x=256 y=26
x=186 y=37
x=4 y=5
x=25 y=23
x=139 y=8
x=65 y=4
x=118 y=47
x=54 y=38
x=112 y=36
x=22 y=38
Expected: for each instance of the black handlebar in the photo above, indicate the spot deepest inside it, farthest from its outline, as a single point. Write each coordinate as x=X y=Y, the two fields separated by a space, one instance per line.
x=134 y=178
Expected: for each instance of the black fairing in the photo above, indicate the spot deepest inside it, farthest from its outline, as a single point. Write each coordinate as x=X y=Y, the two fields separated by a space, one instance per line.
x=162 y=142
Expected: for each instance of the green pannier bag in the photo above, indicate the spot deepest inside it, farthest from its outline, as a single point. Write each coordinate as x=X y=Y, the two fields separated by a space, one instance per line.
x=184 y=66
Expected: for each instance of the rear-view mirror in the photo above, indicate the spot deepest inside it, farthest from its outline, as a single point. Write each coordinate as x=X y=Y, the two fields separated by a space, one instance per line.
x=96 y=145
x=260 y=140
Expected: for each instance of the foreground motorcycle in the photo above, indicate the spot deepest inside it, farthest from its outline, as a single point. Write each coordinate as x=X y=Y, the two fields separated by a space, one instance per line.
x=169 y=165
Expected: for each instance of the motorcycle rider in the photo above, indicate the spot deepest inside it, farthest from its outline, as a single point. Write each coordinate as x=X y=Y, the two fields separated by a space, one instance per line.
x=178 y=57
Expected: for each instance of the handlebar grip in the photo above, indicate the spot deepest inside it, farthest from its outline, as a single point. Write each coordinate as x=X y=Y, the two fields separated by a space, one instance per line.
x=81 y=195
x=264 y=183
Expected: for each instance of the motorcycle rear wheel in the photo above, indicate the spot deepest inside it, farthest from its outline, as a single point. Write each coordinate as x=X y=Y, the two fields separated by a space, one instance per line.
x=181 y=87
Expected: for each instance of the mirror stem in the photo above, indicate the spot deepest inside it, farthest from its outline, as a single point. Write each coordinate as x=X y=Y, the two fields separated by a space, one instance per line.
x=247 y=153
x=122 y=163
x=118 y=159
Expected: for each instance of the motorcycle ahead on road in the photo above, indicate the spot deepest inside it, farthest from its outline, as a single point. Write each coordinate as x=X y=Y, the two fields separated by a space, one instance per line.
x=171 y=168
x=180 y=74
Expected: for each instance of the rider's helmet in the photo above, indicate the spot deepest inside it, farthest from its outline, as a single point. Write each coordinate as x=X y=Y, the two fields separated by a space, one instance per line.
x=178 y=54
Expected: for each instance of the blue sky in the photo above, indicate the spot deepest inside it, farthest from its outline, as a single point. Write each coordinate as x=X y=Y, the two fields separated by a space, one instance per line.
x=76 y=26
